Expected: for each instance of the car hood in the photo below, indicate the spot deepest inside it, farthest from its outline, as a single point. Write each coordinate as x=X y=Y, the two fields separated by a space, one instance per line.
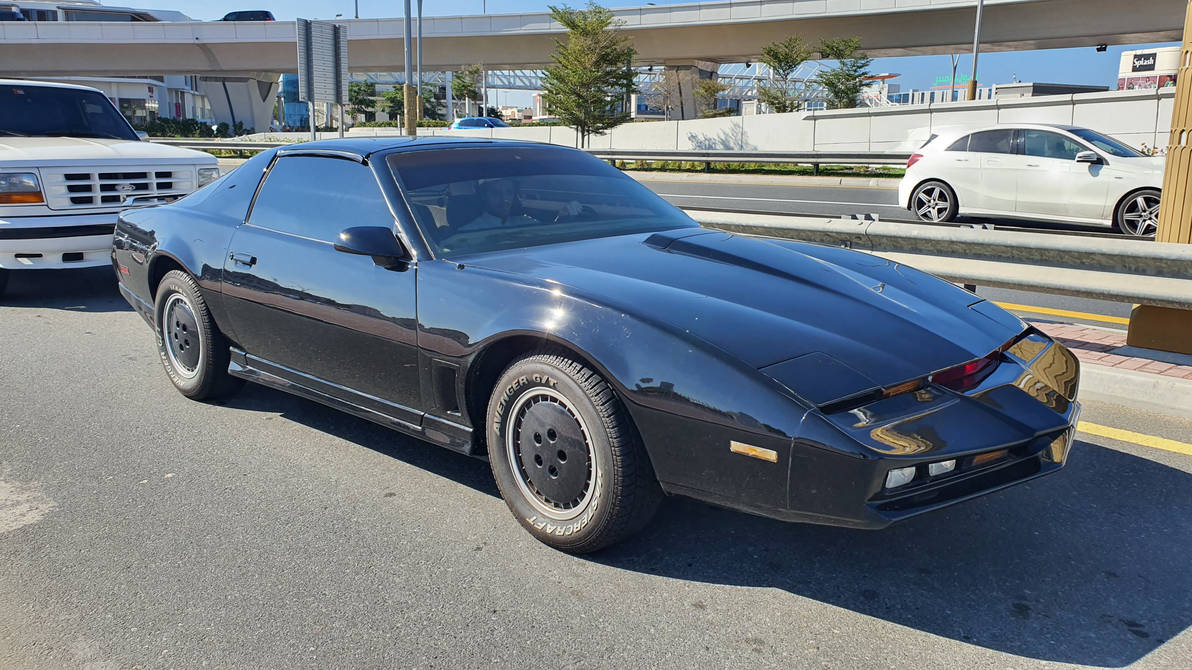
x=48 y=151
x=768 y=301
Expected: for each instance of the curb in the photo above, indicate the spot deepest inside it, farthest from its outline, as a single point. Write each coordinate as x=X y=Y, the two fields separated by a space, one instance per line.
x=1138 y=390
x=889 y=183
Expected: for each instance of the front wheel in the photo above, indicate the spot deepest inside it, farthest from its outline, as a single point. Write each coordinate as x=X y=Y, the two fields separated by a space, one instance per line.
x=1138 y=215
x=566 y=456
x=3 y=281
x=934 y=202
x=193 y=351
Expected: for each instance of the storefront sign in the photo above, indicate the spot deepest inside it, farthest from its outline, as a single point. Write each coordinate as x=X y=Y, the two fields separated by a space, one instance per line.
x=1145 y=62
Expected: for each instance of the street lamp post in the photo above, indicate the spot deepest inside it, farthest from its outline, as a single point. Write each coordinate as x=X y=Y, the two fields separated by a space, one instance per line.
x=418 y=67
x=411 y=120
x=972 y=86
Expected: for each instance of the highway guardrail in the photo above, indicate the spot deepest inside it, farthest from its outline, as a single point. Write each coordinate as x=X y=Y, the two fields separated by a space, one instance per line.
x=813 y=158
x=1121 y=270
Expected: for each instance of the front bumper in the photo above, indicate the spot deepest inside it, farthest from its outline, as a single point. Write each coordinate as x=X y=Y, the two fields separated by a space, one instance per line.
x=834 y=471
x=56 y=242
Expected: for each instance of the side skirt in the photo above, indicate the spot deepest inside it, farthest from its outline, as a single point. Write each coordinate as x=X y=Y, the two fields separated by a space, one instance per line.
x=439 y=431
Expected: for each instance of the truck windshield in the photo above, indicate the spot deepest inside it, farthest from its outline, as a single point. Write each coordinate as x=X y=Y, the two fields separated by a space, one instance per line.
x=50 y=111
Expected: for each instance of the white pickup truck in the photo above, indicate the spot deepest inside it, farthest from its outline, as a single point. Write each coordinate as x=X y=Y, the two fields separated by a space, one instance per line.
x=69 y=163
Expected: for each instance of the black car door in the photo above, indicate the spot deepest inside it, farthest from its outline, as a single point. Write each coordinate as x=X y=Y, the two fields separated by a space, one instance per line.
x=301 y=310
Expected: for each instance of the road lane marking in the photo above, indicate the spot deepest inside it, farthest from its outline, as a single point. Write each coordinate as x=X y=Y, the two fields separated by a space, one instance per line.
x=1135 y=438
x=1125 y=321
x=805 y=202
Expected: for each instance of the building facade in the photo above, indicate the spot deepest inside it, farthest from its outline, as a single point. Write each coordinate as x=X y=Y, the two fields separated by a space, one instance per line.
x=1148 y=68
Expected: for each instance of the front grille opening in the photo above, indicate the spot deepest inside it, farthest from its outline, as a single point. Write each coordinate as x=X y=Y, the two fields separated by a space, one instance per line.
x=78 y=188
x=109 y=198
x=163 y=175
x=165 y=185
x=82 y=200
x=27 y=255
x=72 y=257
x=123 y=175
x=77 y=176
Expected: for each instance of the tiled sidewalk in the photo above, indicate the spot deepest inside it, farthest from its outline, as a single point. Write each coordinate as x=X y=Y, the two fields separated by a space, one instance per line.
x=1107 y=346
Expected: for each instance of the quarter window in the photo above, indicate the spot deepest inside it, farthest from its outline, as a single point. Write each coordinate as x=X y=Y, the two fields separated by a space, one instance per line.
x=961 y=144
x=1046 y=144
x=317 y=197
x=992 y=142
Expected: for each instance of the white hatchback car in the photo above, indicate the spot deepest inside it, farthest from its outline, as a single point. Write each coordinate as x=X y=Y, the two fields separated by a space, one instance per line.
x=1034 y=171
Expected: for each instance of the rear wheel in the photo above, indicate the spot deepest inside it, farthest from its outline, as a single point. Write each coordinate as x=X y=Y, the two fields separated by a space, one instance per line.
x=3 y=281
x=934 y=202
x=566 y=457
x=1138 y=214
x=193 y=351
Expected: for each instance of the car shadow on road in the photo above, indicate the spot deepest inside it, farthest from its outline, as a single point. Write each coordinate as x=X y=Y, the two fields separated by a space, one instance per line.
x=1088 y=566
x=82 y=290
x=471 y=472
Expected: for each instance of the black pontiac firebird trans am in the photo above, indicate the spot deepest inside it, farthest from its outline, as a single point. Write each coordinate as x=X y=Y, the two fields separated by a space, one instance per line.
x=530 y=304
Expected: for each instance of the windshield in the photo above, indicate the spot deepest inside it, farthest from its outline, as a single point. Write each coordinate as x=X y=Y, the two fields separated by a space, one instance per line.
x=1105 y=143
x=472 y=200
x=49 y=111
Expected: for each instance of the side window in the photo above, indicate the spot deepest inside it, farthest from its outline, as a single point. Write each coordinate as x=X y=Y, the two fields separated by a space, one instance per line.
x=231 y=194
x=1046 y=144
x=961 y=144
x=468 y=123
x=317 y=197
x=992 y=142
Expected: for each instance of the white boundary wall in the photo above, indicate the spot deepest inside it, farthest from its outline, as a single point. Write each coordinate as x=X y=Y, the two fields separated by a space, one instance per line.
x=1134 y=117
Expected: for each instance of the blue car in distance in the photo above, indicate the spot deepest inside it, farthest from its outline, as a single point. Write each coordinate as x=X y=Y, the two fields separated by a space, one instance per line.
x=470 y=122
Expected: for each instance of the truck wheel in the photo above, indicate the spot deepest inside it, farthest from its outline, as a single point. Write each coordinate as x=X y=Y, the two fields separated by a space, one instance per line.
x=566 y=456
x=193 y=351
x=3 y=281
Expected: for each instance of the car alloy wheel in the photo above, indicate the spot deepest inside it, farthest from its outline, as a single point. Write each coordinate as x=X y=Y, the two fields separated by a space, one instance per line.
x=566 y=456
x=192 y=350
x=183 y=342
x=933 y=203
x=1140 y=215
x=551 y=452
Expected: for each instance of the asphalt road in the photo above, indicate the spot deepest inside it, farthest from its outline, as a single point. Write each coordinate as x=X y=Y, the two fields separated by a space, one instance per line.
x=747 y=194
x=141 y=529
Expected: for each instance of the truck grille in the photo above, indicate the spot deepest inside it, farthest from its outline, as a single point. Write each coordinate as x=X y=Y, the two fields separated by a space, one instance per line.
x=83 y=188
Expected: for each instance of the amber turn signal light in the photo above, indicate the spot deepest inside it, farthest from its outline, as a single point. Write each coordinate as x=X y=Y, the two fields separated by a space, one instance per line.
x=21 y=198
x=989 y=456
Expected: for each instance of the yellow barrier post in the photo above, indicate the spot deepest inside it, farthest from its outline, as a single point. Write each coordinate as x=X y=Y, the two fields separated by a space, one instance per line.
x=1163 y=327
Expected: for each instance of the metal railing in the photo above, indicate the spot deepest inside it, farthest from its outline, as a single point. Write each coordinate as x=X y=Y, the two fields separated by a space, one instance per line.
x=814 y=158
x=1119 y=270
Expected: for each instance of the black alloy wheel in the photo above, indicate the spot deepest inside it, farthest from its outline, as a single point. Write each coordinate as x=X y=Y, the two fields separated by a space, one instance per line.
x=566 y=455
x=193 y=351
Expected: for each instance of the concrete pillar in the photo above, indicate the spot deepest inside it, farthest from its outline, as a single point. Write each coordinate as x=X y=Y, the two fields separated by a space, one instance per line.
x=679 y=83
x=450 y=97
x=248 y=100
x=1162 y=327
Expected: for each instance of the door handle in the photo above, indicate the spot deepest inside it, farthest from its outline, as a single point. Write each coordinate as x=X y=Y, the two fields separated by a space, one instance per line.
x=244 y=259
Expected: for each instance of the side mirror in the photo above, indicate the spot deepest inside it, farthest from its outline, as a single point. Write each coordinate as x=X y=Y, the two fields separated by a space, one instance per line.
x=376 y=241
x=1088 y=157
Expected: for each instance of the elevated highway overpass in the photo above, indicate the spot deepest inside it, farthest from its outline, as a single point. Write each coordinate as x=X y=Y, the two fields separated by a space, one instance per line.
x=675 y=34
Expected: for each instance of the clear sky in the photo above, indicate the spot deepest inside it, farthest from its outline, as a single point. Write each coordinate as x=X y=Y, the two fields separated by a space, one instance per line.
x=1064 y=66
